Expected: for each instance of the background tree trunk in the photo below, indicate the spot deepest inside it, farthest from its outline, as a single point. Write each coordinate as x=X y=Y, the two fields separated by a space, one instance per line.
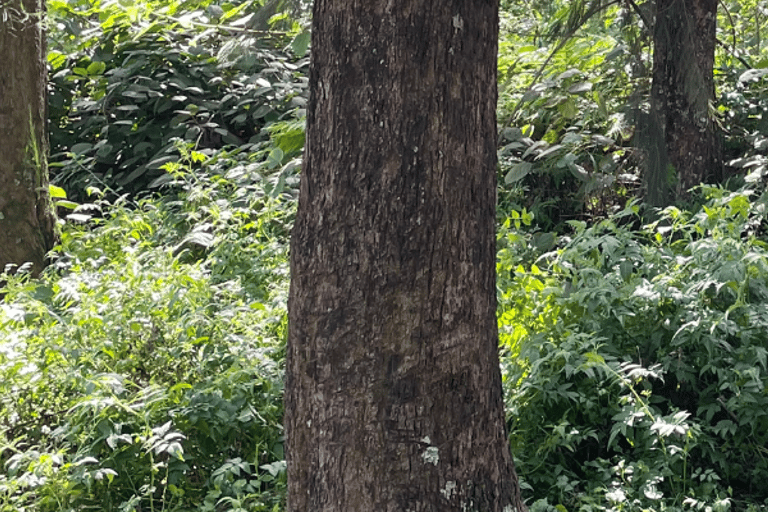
x=682 y=92
x=27 y=222
x=393 y=389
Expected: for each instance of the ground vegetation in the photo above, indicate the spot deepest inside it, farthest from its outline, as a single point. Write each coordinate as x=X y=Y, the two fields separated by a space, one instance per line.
x=143 y=370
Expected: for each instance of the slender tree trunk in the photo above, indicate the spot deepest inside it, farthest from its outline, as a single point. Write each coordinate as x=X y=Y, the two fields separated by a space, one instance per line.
x=682 y=92
x=27 y=223
x=393 y=389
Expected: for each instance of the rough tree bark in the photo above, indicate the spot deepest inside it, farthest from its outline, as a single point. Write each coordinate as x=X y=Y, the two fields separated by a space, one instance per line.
x=393 y=389
x=27 y=222
x=682 y=92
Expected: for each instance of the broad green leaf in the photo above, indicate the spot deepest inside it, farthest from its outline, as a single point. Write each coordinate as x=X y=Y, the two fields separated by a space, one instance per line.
x=580 y=87
x=96 y=68
x=81 y=148
x=275 y=158
x=69 y=205
x=56 y=192
x=518 y=171
x=300 y=43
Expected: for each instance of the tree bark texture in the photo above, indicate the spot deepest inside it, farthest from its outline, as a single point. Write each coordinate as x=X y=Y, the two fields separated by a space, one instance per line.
x=27 y=222
x=393 y=389
x=683 y=90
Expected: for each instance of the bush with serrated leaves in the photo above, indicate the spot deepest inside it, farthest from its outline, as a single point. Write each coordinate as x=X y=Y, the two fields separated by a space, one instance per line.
x=143 y=370
x=636 y=362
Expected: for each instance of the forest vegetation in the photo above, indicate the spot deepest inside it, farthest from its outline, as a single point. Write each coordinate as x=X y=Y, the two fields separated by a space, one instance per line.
x=143 y=369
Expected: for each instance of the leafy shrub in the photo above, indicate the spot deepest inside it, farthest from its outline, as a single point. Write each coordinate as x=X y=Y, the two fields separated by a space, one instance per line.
x=570 y=74
x=743 y=107
x=637 y=359
x=143 y=371
x=126 y=84
x=574 y=81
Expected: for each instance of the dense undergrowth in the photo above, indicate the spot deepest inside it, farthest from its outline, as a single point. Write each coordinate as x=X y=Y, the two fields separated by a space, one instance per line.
x=636 y=362
x=128 y=83
x=143 y=370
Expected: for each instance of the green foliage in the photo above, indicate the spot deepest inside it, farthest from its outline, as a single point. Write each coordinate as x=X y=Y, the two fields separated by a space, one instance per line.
x=143 y=371
x=574 y=81
x=127 y=83
x=569 y=79
x=636 y=360
x=743 y=108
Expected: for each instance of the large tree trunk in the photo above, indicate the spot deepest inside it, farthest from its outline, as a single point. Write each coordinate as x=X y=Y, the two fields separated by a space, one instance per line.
x=27 y=223
x=682 y=92
x=393 y=389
